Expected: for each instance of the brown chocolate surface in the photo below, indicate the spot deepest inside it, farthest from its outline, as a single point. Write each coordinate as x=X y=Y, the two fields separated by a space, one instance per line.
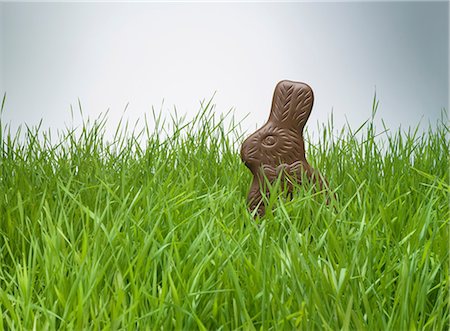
x=277 y=149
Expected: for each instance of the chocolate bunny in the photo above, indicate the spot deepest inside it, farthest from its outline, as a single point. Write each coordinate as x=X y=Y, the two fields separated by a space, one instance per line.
x=277 y=149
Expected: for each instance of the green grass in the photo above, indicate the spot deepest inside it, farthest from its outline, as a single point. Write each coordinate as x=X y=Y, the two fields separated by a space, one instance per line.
x=142 y=232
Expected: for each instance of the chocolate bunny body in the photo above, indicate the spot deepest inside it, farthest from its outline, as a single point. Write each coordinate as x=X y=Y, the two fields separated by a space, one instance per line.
x=277 y=148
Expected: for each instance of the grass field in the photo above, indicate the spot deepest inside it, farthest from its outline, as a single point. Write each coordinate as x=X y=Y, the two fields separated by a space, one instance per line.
x=156 y=235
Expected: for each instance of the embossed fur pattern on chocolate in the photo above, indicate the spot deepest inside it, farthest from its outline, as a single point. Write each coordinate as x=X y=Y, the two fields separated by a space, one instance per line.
x=277 y=148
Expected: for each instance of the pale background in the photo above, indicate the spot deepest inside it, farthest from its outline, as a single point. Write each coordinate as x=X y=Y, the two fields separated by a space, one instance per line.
x=111 y=54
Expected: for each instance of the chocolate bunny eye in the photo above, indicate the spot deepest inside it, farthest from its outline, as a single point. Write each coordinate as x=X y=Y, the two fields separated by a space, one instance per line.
x=269 y=141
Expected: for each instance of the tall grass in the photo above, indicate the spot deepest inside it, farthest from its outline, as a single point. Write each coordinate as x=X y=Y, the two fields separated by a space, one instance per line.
x=98 y=234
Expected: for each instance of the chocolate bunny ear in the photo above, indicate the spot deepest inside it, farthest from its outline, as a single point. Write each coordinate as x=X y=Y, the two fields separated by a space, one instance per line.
x=291 y=104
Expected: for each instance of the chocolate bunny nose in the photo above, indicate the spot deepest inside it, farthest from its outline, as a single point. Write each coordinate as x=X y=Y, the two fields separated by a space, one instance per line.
x=279 y=141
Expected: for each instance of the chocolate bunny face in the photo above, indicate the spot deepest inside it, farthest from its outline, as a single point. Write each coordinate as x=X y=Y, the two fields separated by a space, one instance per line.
x=280 y=140
x=278 y=144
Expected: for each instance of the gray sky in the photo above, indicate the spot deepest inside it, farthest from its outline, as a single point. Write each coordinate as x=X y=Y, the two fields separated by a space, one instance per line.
x=109 y=54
